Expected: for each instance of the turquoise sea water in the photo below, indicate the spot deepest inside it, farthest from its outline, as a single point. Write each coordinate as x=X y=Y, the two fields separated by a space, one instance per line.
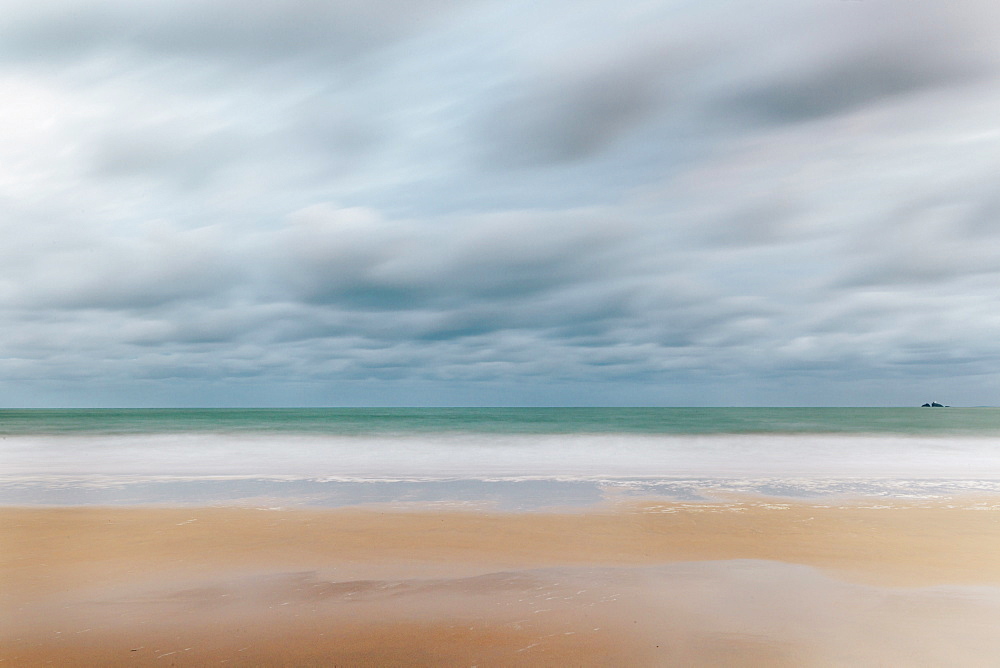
x=359 y=421
x=516 y=457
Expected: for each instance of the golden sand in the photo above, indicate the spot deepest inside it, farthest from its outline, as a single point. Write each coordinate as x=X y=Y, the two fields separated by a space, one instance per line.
x=377 y=587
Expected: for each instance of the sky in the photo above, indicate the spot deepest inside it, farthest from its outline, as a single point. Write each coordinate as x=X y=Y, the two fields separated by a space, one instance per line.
x=499 y=202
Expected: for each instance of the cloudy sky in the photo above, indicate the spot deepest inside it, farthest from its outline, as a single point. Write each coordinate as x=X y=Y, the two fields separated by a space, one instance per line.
x=499 y=202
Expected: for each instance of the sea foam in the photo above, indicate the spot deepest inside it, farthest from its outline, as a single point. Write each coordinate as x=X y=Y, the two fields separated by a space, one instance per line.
x=485 y=456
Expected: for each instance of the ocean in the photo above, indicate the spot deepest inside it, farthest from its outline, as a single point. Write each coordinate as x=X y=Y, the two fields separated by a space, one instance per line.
x=506 y=458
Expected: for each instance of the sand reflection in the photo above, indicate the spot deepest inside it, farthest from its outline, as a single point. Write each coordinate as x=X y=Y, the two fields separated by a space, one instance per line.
x=628 y=586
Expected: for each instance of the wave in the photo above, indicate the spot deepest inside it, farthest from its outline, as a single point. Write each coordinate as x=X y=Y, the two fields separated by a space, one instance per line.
x=490 y=456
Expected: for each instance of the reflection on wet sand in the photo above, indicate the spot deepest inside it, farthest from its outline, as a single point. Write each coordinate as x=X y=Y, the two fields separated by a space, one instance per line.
x=747 y=583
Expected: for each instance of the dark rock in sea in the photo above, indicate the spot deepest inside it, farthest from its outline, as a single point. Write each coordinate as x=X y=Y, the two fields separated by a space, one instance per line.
x=933 y=404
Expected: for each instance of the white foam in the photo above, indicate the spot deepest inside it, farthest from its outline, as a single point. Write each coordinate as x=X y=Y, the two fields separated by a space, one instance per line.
x=485 y=457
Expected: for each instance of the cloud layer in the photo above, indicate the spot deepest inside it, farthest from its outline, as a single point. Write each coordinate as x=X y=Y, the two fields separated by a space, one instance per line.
x=473 y=201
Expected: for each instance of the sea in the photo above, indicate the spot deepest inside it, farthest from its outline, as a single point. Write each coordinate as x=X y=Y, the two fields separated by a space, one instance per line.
x=507 y=459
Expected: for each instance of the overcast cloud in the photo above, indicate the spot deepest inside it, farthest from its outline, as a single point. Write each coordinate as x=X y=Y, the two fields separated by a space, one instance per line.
x=417 y=202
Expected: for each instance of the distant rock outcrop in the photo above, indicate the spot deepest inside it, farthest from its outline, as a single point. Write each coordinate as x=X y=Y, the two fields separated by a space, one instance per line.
x=933 y=404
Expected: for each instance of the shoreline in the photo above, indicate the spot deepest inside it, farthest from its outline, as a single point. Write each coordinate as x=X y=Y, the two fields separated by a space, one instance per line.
x=517 y=494
x=389 y=585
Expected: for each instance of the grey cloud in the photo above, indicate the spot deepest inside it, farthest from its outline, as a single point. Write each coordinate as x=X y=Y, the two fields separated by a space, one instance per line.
x=691 y=97
x=466 y=323
x=164 y=265
x=254 y=32
x=162 y=152
x=334 y=271
x=891 y=328
x=766 y=219
x=567 y=117
x=927 y=241
x=356 y=259
x=335 y=127
x=169 y=301
x=623 y=87
x=217 y=321
x=840 y=58
x=849 y=81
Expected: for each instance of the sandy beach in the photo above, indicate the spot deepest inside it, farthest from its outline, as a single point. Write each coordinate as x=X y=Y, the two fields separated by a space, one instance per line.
x=738 y=582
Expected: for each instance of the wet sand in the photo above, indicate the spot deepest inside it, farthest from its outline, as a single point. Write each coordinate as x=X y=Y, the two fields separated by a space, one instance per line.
x=743 y=582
